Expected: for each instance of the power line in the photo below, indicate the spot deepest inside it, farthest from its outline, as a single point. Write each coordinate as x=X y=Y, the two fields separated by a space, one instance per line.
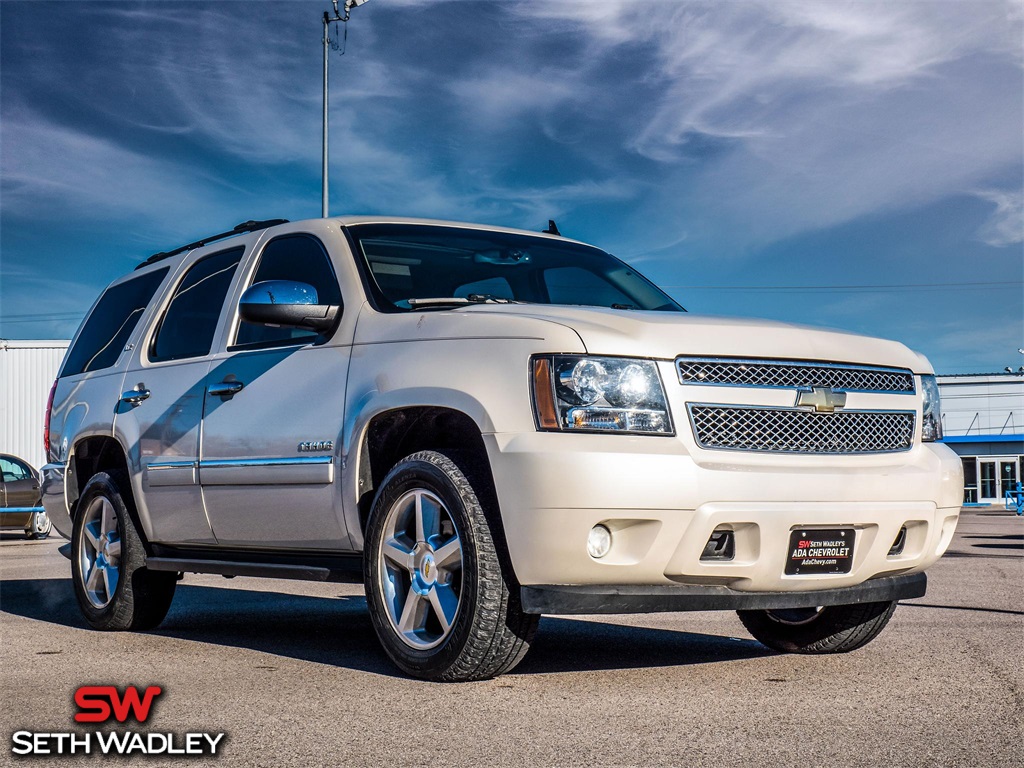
x=840 y=288
x=41 y=318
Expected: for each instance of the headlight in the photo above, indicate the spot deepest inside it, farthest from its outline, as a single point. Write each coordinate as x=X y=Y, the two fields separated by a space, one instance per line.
x=931 y=412
x=599 y=394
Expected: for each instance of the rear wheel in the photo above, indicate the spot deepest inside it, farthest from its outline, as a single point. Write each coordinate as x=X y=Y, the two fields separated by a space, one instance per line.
x=39 y=526
x=828 y=629
x=439 y=601
x=114 y=588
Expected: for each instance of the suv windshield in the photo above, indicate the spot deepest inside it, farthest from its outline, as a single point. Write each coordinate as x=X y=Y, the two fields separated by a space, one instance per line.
x=419 y=261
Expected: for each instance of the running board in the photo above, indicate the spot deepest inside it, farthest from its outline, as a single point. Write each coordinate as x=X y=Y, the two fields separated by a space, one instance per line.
x=228 y=568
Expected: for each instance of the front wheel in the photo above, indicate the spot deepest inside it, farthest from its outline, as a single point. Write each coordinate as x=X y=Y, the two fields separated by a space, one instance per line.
x=439 y=601
x=829 y=629
x=114 y=588
x=39 y=526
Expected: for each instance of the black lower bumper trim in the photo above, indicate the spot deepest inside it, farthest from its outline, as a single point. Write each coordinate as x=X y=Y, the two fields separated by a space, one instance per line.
x=568 y=600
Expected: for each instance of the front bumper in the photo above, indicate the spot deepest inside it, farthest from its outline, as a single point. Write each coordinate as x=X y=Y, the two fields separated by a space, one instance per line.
x=662 y=504
x=576 y=600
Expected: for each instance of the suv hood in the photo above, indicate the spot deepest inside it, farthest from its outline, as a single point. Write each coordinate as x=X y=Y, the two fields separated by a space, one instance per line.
x=667 y=335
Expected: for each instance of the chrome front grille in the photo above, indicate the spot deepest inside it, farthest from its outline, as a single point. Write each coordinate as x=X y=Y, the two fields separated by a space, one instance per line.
x=791 y=374
x=792 y=430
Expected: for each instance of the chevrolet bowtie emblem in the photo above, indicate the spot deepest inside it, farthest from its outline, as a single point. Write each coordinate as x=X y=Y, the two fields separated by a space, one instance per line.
x=822 y=399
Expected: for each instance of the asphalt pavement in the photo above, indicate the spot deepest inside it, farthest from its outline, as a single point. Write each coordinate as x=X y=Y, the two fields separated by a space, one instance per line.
x=292 y=673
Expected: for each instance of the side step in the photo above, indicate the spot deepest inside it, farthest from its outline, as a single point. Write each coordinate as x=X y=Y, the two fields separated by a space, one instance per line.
x=228 y=568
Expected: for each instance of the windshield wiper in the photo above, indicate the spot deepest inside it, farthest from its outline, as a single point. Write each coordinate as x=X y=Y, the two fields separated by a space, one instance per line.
x=457 y=301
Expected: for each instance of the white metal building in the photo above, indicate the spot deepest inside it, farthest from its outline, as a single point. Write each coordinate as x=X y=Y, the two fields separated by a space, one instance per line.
x=27 y=370
x=983 y=420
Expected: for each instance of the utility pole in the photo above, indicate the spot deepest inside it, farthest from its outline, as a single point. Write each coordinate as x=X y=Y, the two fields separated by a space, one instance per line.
x=328 y=20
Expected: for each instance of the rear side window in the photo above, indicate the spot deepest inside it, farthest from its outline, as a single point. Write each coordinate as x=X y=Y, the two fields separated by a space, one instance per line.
x=111 y=323
x=14 y=471
x=294 y=257
x=190 y=321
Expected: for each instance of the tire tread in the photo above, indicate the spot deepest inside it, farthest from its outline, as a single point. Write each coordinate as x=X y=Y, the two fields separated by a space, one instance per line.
x=499 y=633
x=143 y=597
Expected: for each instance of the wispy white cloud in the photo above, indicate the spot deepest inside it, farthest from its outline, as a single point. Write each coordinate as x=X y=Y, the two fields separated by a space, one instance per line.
x=831 y=111
x=48 y=168
x=659 y=129
x=1006 y=225
x=499 y=95
x=821 y=112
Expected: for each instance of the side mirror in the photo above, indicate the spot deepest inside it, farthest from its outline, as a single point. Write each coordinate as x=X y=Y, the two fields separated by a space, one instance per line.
x=287 y=304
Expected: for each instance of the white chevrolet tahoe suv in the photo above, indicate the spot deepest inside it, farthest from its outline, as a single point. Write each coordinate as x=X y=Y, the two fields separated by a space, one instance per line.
x=484 y=425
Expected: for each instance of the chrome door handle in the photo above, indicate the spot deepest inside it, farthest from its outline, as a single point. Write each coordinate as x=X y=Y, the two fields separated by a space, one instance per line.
x=135 y=396
x=226 y=388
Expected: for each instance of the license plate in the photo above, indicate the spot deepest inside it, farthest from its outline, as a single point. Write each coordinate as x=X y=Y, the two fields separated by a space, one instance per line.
x=816 y=550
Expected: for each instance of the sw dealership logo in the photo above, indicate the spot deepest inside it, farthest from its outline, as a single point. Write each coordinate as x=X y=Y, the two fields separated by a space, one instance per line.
x=103 y=704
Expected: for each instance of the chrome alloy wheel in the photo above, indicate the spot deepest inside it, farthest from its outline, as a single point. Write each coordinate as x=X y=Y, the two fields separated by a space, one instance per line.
x=40 y=524
x=420 y=566
x=100 y=552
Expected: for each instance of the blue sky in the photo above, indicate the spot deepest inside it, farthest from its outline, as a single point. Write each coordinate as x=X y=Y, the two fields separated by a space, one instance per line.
x=767 y=158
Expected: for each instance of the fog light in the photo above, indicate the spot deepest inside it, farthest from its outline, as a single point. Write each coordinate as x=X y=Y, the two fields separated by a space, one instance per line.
x=599 y=541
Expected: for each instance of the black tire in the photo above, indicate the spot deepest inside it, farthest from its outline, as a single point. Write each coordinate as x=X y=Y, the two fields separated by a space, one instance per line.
x=831 y=629
x=489 y=633
x=141 y=598
x=39 y=527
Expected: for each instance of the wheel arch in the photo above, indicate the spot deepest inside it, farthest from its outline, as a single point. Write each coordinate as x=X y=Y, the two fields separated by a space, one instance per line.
x=90 y=456
x=391 y=435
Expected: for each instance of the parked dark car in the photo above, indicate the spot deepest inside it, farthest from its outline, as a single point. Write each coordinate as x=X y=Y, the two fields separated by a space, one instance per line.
x=21 y=503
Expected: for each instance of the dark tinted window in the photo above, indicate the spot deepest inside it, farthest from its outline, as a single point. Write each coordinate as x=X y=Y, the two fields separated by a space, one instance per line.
x=573 y=285
x=191 y=318
x=492 y=286
x=107 y=329
x=294 y=257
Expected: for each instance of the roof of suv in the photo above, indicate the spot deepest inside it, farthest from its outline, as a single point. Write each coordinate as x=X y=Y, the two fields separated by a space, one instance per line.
x=345 y=221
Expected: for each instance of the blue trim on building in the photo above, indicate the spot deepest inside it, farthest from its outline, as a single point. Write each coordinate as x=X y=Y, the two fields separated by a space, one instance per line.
x=983 y=438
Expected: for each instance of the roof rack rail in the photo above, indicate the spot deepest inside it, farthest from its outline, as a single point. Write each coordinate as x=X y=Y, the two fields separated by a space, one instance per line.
x=245 y=226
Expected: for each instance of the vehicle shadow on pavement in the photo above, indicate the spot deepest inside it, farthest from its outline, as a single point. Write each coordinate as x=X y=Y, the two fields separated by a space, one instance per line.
x=337 y=630
x=964 y=608
x=575 y=645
